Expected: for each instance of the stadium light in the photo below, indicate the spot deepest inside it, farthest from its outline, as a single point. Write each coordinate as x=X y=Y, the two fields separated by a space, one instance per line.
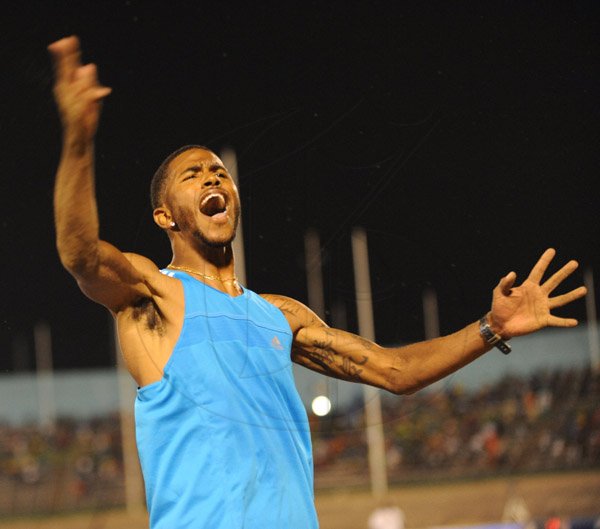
x=321 y=406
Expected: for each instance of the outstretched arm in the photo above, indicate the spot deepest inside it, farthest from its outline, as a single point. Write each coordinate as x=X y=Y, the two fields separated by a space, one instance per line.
x=515 y=311
x=103 y=272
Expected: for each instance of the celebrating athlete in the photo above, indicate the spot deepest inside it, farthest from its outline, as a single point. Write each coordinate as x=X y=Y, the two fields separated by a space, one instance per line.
x=222 y=434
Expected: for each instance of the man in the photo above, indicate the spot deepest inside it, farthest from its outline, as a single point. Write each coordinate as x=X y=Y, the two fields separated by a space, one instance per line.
x=222 y=434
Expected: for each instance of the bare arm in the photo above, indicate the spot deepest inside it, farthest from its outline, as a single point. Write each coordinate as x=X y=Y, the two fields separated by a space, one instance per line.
x=341 y=354
x=103 y=272
x=515 y=311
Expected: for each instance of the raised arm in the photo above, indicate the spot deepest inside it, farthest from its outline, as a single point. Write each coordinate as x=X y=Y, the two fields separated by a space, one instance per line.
x=104 y=273
x=515 y=311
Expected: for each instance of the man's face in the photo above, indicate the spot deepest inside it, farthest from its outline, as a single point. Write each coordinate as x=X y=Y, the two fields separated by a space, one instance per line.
x=203 y=198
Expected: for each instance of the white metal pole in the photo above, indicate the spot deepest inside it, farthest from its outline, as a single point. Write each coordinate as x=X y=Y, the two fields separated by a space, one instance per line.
x=44 y=374
x=366 y=326
x=229 y=159
x=431 y=319
x=314 y=277
x=316 y=301
x=592 y=320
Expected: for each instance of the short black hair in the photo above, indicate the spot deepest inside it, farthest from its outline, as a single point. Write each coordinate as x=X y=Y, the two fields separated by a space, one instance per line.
x=157 y=186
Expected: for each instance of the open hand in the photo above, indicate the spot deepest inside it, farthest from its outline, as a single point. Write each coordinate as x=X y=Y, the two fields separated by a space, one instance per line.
x=76 y=89
x=526 y=308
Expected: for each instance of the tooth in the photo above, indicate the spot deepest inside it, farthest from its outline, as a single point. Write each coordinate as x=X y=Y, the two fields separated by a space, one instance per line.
x=208 y=197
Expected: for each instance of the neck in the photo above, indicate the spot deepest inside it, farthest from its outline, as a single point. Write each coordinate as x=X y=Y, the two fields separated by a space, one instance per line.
x=208 y=261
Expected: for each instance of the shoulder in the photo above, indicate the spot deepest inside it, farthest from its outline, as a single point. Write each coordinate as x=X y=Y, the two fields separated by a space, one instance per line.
x=138 y=278
x=141 y=262
x=297 y=314
x=149 y=272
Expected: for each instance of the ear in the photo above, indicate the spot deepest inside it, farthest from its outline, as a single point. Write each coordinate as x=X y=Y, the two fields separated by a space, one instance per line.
x=162 y=217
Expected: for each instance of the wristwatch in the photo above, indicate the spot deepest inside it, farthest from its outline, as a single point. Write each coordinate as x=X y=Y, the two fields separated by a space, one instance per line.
x=491 y=337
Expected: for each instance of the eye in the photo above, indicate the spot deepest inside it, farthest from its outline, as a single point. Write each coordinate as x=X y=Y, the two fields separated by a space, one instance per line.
x=222 y=175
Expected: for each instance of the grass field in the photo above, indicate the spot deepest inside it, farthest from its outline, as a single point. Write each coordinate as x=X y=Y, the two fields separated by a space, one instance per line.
x=472 y=502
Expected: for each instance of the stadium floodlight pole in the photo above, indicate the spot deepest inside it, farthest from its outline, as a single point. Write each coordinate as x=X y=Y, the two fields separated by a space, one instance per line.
x=20 y=353
x=366 y=327
x=431 y=320
x=229 y=159
x=316 y=300
x=314 y=277
x=44 y=374
x=592 y=320
x=132 y=473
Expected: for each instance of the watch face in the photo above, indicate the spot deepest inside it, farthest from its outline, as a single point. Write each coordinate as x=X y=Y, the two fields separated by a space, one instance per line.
x=485 y=330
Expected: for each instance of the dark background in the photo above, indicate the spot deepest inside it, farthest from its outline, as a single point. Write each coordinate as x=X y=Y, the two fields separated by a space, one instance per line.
x=462 y=137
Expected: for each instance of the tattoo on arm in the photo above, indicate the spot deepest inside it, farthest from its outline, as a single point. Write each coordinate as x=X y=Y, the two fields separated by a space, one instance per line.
x=295 y=310
x=323 y=359
x=289 y=308
x=331 y=351
x=323 y=351
x=350 y=367
x=333 y=361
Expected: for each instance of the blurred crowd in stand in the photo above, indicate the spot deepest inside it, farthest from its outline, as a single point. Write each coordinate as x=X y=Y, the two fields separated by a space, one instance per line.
x=73 y=464
x=549 y=421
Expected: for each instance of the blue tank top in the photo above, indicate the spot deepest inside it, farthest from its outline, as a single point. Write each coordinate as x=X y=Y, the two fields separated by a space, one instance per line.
x=223 y=437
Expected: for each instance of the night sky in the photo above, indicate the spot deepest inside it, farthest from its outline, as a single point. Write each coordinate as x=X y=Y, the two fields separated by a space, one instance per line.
x=464 y=139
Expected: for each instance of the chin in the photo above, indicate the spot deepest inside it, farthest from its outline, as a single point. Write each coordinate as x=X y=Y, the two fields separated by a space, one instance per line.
x=213 y=242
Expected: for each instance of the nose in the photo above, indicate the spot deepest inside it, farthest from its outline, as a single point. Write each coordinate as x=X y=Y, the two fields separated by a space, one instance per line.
x=211 y=180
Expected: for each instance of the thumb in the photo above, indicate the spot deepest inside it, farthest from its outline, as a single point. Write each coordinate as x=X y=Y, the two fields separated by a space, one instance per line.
x=507 y=282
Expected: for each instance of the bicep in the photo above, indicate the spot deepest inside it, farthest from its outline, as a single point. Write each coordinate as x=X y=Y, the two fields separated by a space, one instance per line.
x=333 y=352
x=298 y=315
x=118 y=278
x=343 y=355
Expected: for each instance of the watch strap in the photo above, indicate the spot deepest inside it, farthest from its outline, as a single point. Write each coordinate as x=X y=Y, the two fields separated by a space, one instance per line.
x=491 y=337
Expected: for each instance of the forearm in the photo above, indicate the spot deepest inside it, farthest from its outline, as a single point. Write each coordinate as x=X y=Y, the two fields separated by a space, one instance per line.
x=400 y=370
x=415 y=366
x=78 y=95
x=75 y=209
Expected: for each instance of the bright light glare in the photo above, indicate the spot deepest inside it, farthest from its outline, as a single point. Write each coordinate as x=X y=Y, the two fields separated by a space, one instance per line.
x=321 y=406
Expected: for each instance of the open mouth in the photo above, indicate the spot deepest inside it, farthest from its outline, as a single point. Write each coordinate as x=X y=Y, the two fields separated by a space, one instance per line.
x=213 y=204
